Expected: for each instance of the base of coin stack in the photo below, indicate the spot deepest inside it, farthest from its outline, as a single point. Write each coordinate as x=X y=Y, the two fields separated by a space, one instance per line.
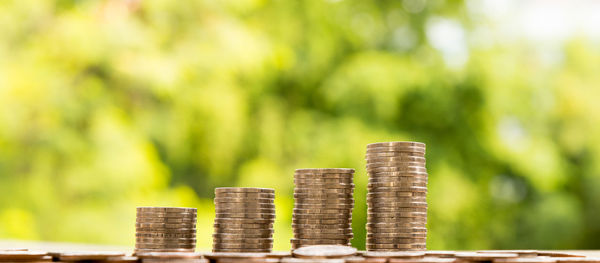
x=323 y=203
x=397 y=196
x=244 y=219
x=165 y=229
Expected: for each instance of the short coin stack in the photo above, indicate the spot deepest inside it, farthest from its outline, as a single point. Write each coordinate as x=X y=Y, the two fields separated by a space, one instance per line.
x=323 y=207
x=165 y=229
x=396 y=199
x=244 y=219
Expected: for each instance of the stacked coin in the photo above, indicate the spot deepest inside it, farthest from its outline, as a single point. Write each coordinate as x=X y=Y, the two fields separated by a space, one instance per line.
x=244 y=219
x=323 y=207
x=396 y=199
x=165 y=229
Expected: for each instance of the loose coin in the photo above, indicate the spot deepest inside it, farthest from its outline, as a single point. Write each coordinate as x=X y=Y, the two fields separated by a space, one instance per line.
x=397 y=254
x=324 y=251
x=474 y=256
x=88 y=255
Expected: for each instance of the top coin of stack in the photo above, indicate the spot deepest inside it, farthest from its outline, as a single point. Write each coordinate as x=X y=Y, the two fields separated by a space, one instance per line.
x=323 y=207
x=396 y=199
x=244 y=219
x=165 y=229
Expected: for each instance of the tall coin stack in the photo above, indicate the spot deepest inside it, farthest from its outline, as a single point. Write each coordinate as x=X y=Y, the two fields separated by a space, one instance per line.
x=323 y=207
x=244 y=219
x=165 y=229
x=396 y=199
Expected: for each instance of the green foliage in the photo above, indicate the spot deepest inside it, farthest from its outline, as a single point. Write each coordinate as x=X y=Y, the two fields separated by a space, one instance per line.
x=107 y=105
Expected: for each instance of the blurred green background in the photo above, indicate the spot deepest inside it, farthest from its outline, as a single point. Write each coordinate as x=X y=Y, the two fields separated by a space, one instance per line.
x=108 y=105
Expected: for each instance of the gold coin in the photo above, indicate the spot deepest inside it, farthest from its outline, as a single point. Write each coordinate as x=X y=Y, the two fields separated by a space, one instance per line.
x=248 y=240
x=396 y=184
x=322 y=211
x=397 y=189
x=372 y=165
x=320 y=216
x=397 y=255
x=245 y=205
x=397 y=225
x=302 y=205
x=165 y=240
x=310 y=231
x=395 y=246
x=164 y=246
x=323 y=236
x=396 y=204
x=397 y=235
x=242 y=245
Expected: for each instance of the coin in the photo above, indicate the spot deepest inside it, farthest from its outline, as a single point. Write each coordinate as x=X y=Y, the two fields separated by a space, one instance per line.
x=412 y=149
x=298 y=241
x=324 y=170
x=321 y=221
x=168 y=220
x=331 y=226
x=243 y=190
x=165 y=225
x=164 y=230
x=243 y=226
x=245 y=194
x=324 y=251
x=393 y=246
x=244 y=231
x=400 y=185
x=307 y=205
x=165 y=235
x=384 y=240
x=243 y=200
x=397 y=155
x=312 y=260
x=322 y=236
x=242 y=210
x=324 y=175
x=474 y=256
x=165 y=241
x=165 y=246
x=246 y=215
x=371 y=165
x=165 y=214
x=319 y=216
x=304 y=181
x=397 y=189
x=394 y=158
x=396 y=204
x=324 y=200
x=239 y=245
x=326 y=185
x=416 y=169
x=224 y=236
x=322 y=211
x=242 y=250
x=88 y=255
x=323 y=191
x=397 y=194
x=166 y=209
x=365 y=260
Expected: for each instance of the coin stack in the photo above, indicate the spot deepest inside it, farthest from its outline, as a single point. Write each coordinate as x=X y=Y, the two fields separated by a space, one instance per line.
x=244 y=219
x=165 y=229
x=396 y=199
x=323 y=207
